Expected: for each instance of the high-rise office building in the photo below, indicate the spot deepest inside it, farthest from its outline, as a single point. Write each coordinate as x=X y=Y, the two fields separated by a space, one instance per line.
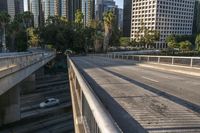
x=28 y=5
x=51 y=8
x=35 y=9
x=99 y=10
x=41 y=12
x=13 y=7
x=74 y=5
x=196 y=23
x=103 y=6
x=166 y=16
x=120 y=19
x=127 y=18
x=57 y=8
x=42 y=9
x=109 y=5
x=88 y=10
x=19 y=6
x=64 y=8
x=3 y=5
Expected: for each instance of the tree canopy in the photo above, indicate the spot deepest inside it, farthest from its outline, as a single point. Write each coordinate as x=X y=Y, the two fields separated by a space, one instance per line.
x=4 y=18
x=185 y=46
x=146 y=37
x=108 y=19
x=197 y=42
x=79 y=17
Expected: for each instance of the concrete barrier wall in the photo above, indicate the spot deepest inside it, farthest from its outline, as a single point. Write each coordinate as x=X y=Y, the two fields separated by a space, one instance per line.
x=14 y=69
x=171 y=60
x=90 y=116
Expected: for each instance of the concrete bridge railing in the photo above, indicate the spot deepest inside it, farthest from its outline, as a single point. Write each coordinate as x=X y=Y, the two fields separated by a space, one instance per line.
x=171 y=60
x=90 y=116
x=15 y=67
x=10 y=63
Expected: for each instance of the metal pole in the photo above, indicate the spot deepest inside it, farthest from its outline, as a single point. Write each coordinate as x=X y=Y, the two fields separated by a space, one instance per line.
x=172 y=60
x=191 y=63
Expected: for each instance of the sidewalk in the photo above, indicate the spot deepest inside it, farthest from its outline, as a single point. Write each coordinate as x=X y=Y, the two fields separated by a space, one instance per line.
x=172 y=68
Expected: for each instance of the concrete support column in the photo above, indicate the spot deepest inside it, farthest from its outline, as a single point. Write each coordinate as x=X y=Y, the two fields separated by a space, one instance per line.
x=28 y=85
x=10 y=106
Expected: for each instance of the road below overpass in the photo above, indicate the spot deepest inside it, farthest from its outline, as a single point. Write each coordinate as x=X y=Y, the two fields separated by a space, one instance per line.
x=55 y=119
x=144 y=99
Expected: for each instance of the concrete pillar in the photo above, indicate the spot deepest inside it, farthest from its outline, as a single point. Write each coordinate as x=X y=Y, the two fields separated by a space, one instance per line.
x=10 y=106
x=28 y=85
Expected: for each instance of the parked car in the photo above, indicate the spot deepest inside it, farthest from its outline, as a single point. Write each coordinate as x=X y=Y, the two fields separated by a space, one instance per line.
x=49 y=102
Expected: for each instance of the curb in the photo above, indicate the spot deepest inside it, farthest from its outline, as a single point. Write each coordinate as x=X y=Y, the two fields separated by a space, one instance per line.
x=168 y=69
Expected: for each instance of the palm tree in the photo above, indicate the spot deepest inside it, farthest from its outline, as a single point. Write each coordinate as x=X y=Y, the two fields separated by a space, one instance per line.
x=4 y=20
x=109 y=19
x=197 y=42
x=51 y=20
x=97 y=35
x=27 y=18
x=14 y=28
x=79 y=17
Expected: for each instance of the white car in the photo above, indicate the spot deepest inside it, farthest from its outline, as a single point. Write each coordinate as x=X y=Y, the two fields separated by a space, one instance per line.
x=49 y=102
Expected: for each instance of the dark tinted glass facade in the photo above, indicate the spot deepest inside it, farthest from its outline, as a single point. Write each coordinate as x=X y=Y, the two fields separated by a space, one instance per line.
x=73 y=6
x=127 y=18
x=3 y=5
x=19 y=6
x=196 y=24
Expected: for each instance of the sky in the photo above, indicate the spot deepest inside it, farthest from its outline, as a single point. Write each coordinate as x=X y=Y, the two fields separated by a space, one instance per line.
x=119 y=3
x=25 y=5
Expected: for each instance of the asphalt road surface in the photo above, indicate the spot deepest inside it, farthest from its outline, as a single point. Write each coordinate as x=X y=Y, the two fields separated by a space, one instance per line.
x=56 y=119
x=144 y=99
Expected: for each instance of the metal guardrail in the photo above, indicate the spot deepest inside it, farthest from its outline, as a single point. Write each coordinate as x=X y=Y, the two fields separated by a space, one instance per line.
x=10 y=63
x=171 y=60
x=137 y=52
x=13 y=54
x=90 y=116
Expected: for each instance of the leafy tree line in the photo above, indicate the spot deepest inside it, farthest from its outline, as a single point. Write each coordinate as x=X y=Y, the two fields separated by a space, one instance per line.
x=19 y=34
x=64 y=34
x=16 y=32
x=183 y=43
x=145 y=37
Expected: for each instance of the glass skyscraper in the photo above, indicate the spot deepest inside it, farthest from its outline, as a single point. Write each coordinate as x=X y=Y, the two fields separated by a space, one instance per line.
x=127 y=18
x=3 y=5
x=34 y=8
x=166 y=16
x=88 y=10
x=50 y=8
x=64 y=8
x=13 y=7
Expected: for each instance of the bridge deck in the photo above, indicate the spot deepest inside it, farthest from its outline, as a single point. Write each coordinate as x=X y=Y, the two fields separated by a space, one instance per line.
x=141 y=98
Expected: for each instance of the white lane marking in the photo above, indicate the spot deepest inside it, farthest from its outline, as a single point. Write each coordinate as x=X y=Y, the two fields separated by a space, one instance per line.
x=150 y=79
